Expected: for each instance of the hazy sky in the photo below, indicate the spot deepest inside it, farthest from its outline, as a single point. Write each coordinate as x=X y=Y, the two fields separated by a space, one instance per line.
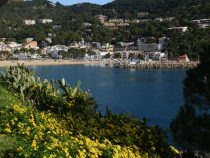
x=70 y=2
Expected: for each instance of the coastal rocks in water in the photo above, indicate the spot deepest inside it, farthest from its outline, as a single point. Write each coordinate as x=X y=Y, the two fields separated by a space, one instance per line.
x=158 y=65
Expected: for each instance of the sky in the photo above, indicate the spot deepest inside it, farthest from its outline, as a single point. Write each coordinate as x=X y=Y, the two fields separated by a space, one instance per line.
x=70 y=2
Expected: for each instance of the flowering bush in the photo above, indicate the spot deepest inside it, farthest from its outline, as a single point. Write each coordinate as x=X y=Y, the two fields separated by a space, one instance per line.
x=43 y=134
x=53 y=123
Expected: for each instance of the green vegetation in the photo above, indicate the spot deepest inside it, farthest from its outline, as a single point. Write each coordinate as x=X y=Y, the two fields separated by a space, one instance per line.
x=6 y=98
x=191 y=126
x=73 y=19
x=51 y=122
x=117 y=55
x=75 y=53
x=178 y=8
x=3 y=1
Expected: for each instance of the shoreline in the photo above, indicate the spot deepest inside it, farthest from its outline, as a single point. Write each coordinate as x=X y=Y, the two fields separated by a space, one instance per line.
x=7 y=63
x=158 y=65
x=123 y=65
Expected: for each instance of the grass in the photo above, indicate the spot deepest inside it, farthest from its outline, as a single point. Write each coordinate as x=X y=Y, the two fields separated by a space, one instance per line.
x=6 y=98
x=6 y=143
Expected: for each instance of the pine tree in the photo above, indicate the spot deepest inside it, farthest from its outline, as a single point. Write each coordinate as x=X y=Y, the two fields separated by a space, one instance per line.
x=191 y=127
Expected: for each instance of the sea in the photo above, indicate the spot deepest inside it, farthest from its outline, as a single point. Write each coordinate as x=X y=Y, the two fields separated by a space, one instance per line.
x=153 y=94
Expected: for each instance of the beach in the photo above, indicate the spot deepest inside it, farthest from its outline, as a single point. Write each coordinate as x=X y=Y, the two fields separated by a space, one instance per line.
x=112 y=63
x=7 y=63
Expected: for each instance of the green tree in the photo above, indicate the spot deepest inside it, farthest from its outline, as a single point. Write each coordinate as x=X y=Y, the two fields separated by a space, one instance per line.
x=191 y=127
x=5 y=54
x=3 y=2
x=107 y=56
x=117 y=55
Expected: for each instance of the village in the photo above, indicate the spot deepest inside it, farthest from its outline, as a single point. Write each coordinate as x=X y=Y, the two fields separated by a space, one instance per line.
x=132 y=52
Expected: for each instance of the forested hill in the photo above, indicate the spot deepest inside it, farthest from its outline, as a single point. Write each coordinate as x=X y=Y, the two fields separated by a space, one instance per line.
x=71 y=18
x=15 y=12
x=189 y=9
x=178 y=8
x=79 y=21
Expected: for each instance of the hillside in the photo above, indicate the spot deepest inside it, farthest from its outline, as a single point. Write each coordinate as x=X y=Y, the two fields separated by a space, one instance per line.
x=15 y=12
x=178 y=8
x=190 y=9
x=42 y=8
x=73 y=21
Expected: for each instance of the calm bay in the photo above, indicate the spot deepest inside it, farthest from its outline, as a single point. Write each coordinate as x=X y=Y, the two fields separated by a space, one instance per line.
x=154 y=94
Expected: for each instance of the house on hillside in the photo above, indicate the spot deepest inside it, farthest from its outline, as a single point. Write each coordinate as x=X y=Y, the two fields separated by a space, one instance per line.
x=148 y=47
x=178 y=29
x=21 y=56
x=29 y=22
x=202 y=23
x=45 y=21
x=31 y=44
x=102 y=18
x=184 y=58
x=142 y=14
x=3 y=46
x=56 y=27
x=86 y=24
x=12 y=46
x=159 y=19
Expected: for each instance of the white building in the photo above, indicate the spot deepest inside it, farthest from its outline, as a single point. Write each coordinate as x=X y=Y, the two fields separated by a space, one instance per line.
x=86 y=24
x=142 y=14
x=54 y=50
x=35 y=56
x=57 y=27
x=202 y=23
x=179 y=29
x=116 y=20
x=45 y=21
x=12 y=46
x=3 y=46
x=148 y=47
x=102 y=18
x=158 y=19
x=29 y=22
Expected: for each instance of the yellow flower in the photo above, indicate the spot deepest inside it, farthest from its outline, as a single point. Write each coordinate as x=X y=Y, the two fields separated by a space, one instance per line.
x=174 y=150
x=92 y=150
x=34 y=145
x=8 y=130
x=19 y=109
x=27 y=131
x=153 y=149
x=66 y=151
x=19 y=149
x=52 y=156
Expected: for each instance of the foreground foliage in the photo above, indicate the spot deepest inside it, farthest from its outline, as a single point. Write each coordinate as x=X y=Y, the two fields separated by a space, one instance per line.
x=42 y=134
x=191 y=127
x=51 y=122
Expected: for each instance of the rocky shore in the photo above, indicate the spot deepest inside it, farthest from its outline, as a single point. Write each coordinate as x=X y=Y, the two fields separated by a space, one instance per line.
x=158 y=65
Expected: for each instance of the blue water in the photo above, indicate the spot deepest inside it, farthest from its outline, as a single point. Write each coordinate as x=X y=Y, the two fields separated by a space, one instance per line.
x=154 y=94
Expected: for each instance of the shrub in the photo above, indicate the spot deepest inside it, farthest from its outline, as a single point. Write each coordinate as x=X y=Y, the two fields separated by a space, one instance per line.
x=43 y=134
x=65 y=123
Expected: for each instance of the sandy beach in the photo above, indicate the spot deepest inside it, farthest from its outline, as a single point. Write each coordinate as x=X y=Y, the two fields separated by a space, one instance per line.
x=8 y=63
